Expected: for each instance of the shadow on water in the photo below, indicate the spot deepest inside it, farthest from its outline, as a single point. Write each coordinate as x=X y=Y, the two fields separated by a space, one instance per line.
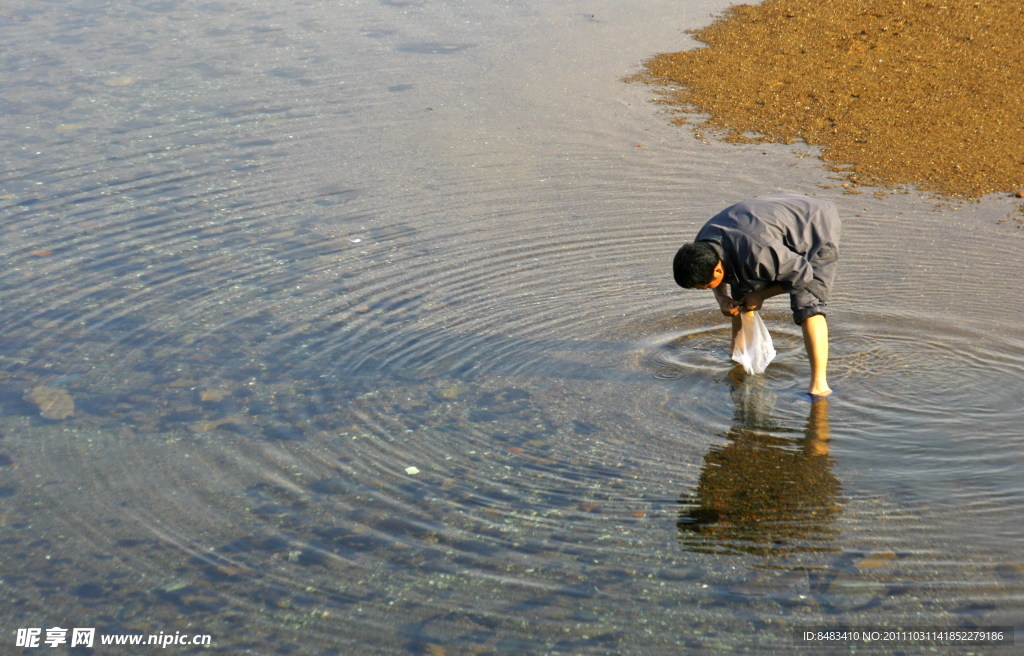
x=769 y=489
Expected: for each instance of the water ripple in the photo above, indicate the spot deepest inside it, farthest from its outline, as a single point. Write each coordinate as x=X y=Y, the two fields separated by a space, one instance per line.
x=343 y=344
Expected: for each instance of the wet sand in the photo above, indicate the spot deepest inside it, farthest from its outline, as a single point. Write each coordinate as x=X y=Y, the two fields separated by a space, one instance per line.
x=910 y=93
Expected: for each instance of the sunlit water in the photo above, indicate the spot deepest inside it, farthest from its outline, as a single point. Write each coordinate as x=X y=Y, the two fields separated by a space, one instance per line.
x=365 y=313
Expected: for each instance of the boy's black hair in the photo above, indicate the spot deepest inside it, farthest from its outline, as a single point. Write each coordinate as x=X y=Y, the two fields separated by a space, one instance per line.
x=694 y=265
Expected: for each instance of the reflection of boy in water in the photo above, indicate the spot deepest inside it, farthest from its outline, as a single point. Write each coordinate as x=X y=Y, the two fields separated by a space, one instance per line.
x=780 y=243
x=759 y=494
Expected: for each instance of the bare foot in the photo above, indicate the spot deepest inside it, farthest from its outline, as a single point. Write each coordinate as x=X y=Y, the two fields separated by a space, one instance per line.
x=820 y=391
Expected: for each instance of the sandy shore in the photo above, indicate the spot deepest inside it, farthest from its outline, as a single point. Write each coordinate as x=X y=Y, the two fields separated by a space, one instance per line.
x=894 y=93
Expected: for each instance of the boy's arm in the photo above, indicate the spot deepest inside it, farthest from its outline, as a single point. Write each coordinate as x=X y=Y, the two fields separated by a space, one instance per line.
x=753 y=300
x=728 y=306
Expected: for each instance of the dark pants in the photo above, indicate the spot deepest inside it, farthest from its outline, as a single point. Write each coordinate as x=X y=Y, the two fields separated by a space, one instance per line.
x=824 y=264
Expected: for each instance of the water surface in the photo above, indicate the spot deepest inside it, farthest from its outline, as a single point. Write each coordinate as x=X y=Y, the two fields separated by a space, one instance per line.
x=365 y=313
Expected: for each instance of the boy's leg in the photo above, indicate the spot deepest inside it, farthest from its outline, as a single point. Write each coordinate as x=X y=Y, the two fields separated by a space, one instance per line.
x=816 y=342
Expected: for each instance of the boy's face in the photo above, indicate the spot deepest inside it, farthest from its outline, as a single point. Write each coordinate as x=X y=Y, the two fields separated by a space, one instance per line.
x=716 y=278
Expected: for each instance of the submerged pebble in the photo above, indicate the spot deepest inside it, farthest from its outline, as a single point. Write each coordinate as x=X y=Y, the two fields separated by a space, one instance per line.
x=875 y=560
x=53 y=402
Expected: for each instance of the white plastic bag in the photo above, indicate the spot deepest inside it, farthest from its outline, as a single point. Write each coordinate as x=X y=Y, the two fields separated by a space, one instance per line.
x=753 y=348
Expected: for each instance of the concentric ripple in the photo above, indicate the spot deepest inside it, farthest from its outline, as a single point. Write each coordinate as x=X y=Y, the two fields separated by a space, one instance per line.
x=348 y=328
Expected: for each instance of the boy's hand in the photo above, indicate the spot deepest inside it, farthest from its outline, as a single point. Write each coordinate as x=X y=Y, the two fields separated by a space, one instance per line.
x=752 y=301
x=729 y=307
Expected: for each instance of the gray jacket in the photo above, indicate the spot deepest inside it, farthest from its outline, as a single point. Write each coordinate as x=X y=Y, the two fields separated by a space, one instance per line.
x=788 y=239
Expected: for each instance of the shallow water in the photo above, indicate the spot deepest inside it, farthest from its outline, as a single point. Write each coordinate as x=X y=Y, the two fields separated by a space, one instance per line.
x=365 y=315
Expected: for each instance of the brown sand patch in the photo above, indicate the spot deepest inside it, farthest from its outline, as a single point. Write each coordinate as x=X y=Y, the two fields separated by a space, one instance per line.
x=894 y=92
